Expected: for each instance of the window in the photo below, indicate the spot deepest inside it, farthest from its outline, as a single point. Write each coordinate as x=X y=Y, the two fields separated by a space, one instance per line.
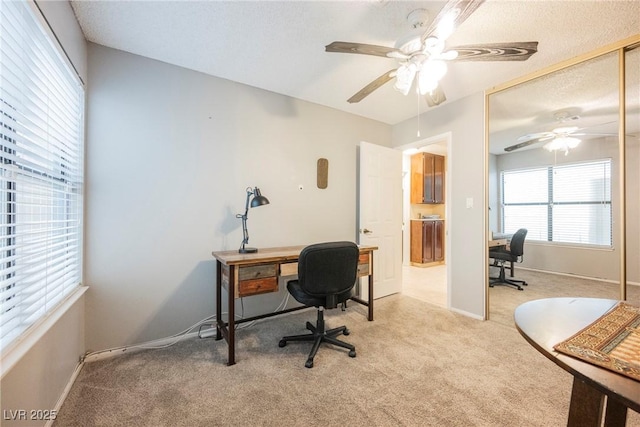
x=41 y=175
x=568 y=203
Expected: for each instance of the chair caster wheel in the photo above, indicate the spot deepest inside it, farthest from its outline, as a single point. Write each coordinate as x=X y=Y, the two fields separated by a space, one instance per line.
x=346 y=332
x=309 y=363
x=282 y=343
x=352 y=353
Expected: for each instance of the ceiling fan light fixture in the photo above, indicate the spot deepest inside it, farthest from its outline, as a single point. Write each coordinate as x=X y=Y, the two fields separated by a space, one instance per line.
x=564 y=143
x=404 y=77
x=410 y=44
x=430 y=74
x=433 y=46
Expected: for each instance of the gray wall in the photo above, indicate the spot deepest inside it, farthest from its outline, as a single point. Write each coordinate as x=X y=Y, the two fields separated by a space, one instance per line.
x=38 y=379
x=169 y=155
x=466 y=226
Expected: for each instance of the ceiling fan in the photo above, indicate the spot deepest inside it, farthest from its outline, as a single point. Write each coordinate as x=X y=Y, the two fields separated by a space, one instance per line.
x=423 y=57
x=559 y=139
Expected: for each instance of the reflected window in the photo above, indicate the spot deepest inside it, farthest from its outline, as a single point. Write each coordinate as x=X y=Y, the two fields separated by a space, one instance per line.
x=570 y=203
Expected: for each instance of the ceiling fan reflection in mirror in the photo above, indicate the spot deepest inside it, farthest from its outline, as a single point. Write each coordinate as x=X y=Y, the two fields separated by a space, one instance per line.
x=423 y=57
x=559 y=139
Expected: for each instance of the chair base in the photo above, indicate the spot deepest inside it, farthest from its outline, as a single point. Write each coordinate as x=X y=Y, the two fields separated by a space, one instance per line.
x=318 y=335
x=502 y=279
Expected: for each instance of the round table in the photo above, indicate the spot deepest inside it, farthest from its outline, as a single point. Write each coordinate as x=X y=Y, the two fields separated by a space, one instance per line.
x=547 y=322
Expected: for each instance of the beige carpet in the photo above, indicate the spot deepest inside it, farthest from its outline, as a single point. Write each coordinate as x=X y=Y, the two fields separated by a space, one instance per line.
x=417 y=365
x=503 y=300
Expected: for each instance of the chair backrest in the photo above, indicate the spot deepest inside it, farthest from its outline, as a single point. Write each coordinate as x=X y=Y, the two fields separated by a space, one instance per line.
x=328 y=268
x=517 y=242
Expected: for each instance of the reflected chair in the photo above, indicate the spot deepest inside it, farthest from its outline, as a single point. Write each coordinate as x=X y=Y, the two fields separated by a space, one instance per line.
x=514 y=253
x=327 y=274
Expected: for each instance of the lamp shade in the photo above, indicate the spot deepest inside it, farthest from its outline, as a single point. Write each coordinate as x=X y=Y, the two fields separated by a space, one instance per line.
x=258 y=199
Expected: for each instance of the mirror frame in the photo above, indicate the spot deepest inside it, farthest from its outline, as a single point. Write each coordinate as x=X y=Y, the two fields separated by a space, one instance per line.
x=620 y=47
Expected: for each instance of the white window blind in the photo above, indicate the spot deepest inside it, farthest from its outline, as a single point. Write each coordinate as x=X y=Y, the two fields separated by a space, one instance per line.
x=567 y=203
x=41 y=172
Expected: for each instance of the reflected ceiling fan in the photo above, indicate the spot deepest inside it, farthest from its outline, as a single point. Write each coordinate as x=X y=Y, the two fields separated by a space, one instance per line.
x=423 y=57
x=559 y=139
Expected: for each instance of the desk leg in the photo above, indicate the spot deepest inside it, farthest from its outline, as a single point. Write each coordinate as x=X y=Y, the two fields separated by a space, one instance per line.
x=616 y=414
x=218 y=299
x=371 y=291
x=586 y=405
x=231 y=341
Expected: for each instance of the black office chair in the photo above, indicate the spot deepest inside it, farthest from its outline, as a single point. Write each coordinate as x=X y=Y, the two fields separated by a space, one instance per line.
x=327 y=273
x=513 y=254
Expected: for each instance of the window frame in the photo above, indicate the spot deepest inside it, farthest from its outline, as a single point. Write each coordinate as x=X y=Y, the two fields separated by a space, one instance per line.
x=65 y=184
x=550 y=202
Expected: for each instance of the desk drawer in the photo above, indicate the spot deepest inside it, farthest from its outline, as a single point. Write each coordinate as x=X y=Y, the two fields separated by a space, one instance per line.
x=252 y=280
x=256 y=272
x=257 y=286
x=363 y=265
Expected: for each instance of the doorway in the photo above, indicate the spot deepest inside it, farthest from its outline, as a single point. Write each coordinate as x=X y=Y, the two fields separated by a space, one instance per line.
x=428 y=282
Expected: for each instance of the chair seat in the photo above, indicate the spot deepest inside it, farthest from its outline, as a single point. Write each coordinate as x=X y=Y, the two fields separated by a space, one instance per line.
x=314 y=301
x=505 y=256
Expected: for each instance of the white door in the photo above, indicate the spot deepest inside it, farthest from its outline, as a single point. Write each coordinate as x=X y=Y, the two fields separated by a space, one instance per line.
x=380 y=219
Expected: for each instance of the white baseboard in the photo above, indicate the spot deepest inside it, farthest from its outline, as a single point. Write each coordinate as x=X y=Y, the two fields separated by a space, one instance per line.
x=65 y=392
x=465 y=313
x=598 y=279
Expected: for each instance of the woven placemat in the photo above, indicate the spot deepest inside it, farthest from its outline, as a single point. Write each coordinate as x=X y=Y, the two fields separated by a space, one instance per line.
x=612 y=341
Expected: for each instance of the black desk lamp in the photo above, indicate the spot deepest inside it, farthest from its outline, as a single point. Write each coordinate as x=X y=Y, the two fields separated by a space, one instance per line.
x=258 y=200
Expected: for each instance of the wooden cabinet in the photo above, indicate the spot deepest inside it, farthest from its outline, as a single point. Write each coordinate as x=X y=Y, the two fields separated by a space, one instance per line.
x=427 y=178
x=427 y=241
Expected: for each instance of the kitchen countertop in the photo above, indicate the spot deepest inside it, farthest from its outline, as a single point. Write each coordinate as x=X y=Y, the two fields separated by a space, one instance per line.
x=427 y=219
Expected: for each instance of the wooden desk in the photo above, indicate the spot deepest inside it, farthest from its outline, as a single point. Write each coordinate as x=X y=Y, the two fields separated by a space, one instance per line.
x=244 y=275
x=497 y=242
x=547 y=322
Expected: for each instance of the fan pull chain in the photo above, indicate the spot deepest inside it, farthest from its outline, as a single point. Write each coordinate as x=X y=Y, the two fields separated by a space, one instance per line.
x=418 y=93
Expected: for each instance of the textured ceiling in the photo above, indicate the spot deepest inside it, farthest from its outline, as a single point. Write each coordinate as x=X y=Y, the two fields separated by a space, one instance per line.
x=279 y=45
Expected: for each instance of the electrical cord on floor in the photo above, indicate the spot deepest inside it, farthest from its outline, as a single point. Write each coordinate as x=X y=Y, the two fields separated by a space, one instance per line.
x=209 y=320
x=146 y=346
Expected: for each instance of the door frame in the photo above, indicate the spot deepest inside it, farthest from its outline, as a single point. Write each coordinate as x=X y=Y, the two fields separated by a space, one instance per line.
x=407 y=151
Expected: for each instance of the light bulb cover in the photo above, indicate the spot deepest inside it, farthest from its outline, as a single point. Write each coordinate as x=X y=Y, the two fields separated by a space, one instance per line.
x=404 y=77
x=430 y=74
x=564 y=143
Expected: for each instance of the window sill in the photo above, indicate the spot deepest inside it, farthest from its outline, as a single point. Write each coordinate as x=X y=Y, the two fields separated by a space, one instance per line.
x=16 y=350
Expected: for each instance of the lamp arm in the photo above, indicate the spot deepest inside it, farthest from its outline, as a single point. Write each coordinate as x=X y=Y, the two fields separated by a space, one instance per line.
x=245 y=232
